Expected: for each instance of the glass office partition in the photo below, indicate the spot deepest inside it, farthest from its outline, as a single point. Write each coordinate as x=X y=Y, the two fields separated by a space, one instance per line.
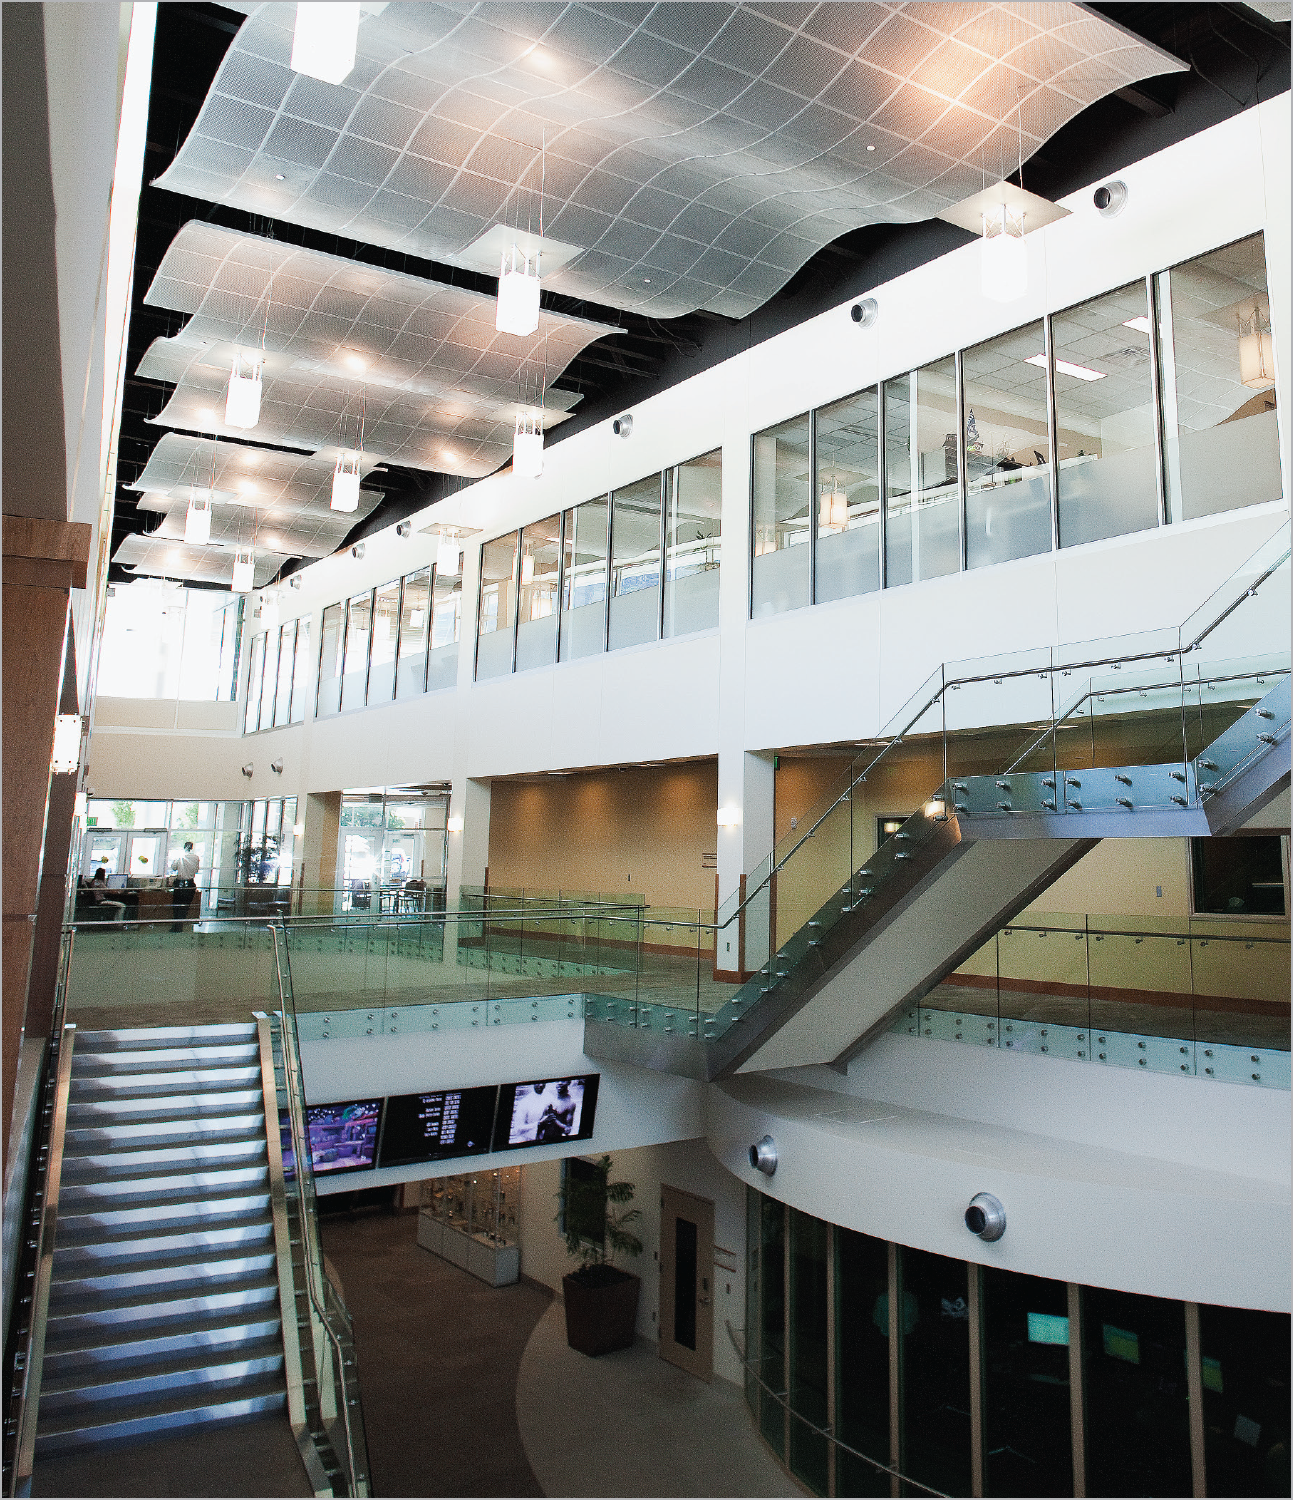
x=861 y=1361
x=300 y=671
x=1221 y=440
x=848 y=496
x=772 y=1323
x=446 y=628
x=386 y=630
x=935 y=1333
x=809 y=1275
x=922 y=489
x=415 y=611
x=693 y=544
x=1245 y=1400
x=536 y=630
x=332 y=639
x=286 y=662
x=1007 y=448
x=583 y=589
x=635 y=564
x=255 y=676
x=497 y=599
x=354 y=678
x=1104 y=408
x=782 y=495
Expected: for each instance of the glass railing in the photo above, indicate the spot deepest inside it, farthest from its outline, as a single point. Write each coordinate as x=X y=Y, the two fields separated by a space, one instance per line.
x=1206 y=997
x=262 y=901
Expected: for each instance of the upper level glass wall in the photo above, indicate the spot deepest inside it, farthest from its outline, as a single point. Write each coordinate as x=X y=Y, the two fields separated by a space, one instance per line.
x=494 y=622
x=300 y=672
x=386 y=634
x=354 y=677
x=583 y=580
x=635 y=564
x=783 y=492
x=1221 y=442
x=693 y=544
x=160 y=641
x=1155 y=400
x=536 y=630
x=277 y=682
x=255 y=680
x=446 y=626
x=414 y=628
x=333 y=636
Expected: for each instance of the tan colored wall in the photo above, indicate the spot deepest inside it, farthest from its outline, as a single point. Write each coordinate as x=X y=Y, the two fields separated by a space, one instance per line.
x=639 y=830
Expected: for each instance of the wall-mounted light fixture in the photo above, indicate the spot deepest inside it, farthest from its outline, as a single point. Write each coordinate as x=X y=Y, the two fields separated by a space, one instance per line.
x=865 y=312
x=622 y=426
x=729 y=817
x=324 y=40
x=357 y=551
x=404 y=529
x=67 y=744
x=986 y=1217
x=298 y=829
x=1110 y=198
x=763 y=1156
x=276 y=766
x=248 y=769
x=454 y=824
x=294 y=582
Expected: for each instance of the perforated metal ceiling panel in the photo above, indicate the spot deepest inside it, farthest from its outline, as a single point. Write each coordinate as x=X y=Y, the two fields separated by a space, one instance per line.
x=698 y=154
x=437 y=387
x=156 y=557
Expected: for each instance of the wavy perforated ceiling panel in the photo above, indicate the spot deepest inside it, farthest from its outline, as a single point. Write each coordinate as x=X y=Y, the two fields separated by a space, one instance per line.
x=696 y=155
x=420 y=362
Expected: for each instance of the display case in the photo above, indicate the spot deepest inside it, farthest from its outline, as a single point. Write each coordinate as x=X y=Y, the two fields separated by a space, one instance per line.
x=474 y=1220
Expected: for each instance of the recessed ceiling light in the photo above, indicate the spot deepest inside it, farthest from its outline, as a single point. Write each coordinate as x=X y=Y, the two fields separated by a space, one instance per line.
x=1063 y=367
x=206 y=414
x=646 y=281
x=247 y=486
x=1141 y=325
x=355 y=361
x=870 y=148
x=279 y=176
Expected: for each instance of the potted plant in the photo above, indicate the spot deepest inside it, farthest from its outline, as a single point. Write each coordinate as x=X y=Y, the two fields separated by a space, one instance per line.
x=601 y=1298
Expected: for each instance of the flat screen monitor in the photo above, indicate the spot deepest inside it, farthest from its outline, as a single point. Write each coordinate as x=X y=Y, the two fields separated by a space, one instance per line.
x=546 y=1111
x=116 y=882
x=431 y=1127
x=343 y=1137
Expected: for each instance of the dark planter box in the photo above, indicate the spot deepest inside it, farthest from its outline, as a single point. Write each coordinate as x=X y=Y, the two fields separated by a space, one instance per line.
x=601 y=1316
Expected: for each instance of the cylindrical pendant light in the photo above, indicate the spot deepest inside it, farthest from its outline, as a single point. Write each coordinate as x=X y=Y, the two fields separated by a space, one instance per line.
x=197 y=520
x=345 y=483
x=324 y=40
x=527 y=447
x=518 y=295
x=242 y=404
x=244 y=570
x=1256 y=353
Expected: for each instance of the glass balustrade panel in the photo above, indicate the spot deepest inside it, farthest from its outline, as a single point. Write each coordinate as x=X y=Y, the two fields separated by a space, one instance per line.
x=1042 y=983
x=998 y=717
x=1241 y=987
x=635 y=564
x=536 y=635
x=1140 y=980
x=848 y=497
x=583 y=588
x=693 y=544
x=922 y=485
x=782 y=495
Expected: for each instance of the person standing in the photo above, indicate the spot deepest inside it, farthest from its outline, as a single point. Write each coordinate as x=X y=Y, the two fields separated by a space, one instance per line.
x=186 y=865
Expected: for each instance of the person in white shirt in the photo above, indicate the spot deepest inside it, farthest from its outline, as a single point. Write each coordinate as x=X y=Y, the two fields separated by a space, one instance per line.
x=185 y=865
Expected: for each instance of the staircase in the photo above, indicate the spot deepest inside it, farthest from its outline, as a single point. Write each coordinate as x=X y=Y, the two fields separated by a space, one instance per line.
x=164 y=1299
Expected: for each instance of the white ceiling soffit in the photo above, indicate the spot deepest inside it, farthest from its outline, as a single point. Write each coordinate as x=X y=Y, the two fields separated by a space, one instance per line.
x=698 y=154
x=1273 y=10
x=438 y=387
x=151 y=556
x=281 y=501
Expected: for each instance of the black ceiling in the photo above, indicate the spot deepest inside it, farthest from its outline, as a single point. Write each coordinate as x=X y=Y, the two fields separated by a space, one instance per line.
x=1236 y=58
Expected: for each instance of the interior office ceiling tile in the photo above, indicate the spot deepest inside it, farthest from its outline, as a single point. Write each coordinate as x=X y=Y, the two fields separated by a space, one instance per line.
x=757 y=116
x=438 y=387
x=157 y=557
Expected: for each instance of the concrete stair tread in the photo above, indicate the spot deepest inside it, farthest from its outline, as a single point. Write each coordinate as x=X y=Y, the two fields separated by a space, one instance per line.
x=133 y=1158
x=147 y=1309
x=78 y=1427
x=196 y=1208
x=86 y=1059
x=144 y=1242
x=137 y=1038
x=129 y=1274
x=160 y=1107
x=141 y=1135
x=128 y=1085
x=163 y=1187
x=94 y=1382
x=74 y=1348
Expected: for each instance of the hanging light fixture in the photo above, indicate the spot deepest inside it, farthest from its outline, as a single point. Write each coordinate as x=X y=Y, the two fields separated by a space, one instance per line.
x=242 y=404
x=834 y=512
x=448 y=555
x=269 y=610
x=197 y=519
x=518 y=295
x=324 y=40
x=527 y=446
x=345 y=483
x=244 y=570
x=1003 y=255
x=527 y=568
x=1256 y=353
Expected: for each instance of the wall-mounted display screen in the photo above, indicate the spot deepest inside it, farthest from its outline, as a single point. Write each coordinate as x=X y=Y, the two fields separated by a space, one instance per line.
x=430 y=1127
x=546 y=1111
x=343 y=1137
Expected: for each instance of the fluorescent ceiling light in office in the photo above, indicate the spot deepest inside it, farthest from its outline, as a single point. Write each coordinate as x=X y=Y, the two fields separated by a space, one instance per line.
x=1064 y=367
x=324 y=40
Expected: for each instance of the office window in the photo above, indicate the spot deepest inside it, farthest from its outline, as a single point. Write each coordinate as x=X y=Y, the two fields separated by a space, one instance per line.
x=635 y=564
x=359 y=622
x=782 y=495
x=1245 y=1400
x=269 y=680
x=922 y=492
x=415 y=623
x=301 y=671
x=1221 y=442
x=286 y=660
x=861 y=1361
x=693 y=544
x=848 y=497
x=1239 y=877
x=230 y=617
x=497 y=598
x=386 y=630
x=1104 y=408
x=446 y=628
x=536 y=630
x=1007 y=448
x=935 y=1332
x=255 y=676
x=1137 y=1412
x=1027 y=1427
x=331 y=641
x=583 y=589
x=809 y=1272
x=772 y=1322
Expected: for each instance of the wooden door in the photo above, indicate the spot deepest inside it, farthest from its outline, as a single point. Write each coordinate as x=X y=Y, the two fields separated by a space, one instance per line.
x=687 y=1281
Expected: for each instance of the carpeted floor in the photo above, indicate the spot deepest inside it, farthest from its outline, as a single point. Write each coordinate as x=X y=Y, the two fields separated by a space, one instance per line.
x=439 y=1353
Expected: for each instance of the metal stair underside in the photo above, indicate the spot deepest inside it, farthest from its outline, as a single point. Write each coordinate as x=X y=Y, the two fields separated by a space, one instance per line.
x=164 y=1299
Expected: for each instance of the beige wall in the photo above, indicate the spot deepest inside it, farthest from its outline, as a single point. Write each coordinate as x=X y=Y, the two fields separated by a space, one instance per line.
x=639 y=830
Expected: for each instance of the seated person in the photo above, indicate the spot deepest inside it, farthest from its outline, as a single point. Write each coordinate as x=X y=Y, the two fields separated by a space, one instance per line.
x=98 y=889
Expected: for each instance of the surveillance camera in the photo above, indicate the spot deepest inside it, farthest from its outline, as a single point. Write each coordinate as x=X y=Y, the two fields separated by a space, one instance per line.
x=865 y=312
x=247 y=769
x=404 y=528
x=763 y=1156
x=622 y=426
x=357 y=551
x=276 y=766
x=1110 y=199
x=985 y=1217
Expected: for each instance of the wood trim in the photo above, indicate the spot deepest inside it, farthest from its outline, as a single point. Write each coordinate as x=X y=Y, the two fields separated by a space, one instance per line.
x=46 y=554
x=1077 y=1390
x=1194 y=1385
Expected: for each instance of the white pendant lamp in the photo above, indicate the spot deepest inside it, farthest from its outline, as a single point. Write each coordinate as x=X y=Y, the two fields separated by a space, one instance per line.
x=448 y=556
x=1256 y=354
x=518 y=295
x=269 y=610
x=834 y=513
x=345 y=483
x=324 y=40
x=527 y=447
x=1003 y=255
x=197 y=520
x=244 y=570
x=242 y=404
